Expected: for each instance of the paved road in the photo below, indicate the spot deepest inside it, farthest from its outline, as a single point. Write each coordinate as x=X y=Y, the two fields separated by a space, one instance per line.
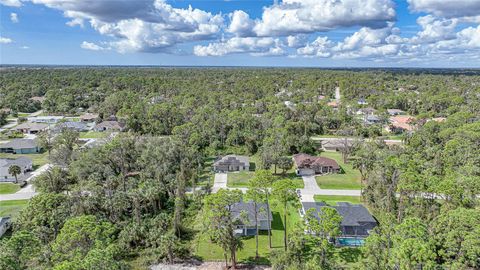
x=28 y=191
x=337 y=94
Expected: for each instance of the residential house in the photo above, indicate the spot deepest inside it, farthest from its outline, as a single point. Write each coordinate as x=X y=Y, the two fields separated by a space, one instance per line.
x=335 y=145
x=21 y=146
x=401 y=123
x=24 y=163
x=70 y=125
x=394 y=112
x=31 y=128
x=46 y=119
x=232 y=163
x=310 y=165
x=38 y=99
x=333 y=104
x=5 y=224
x=371 y=119
x=243 y=214
x=356 y=225
x=366 y=111
x=362 y=101
x=89 y=117
x=109 y=126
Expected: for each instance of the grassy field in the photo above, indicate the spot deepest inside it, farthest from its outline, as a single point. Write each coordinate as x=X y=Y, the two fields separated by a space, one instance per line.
x=8 y=188
x=93 y=135
x=348 y=180
x=12 y=208
x=212 y=252
x=38 y=159
x=332 y=200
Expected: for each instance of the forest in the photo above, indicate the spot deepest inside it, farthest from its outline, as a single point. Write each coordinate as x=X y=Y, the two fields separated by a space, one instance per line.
x=145 y=196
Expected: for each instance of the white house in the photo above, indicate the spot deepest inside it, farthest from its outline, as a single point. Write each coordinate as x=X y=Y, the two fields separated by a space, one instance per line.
x=24 y=163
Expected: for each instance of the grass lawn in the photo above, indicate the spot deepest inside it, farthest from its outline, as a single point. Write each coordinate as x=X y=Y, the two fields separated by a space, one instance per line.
x=212 y=252
x=38 y=159
x=332 y=200
x=8 y=188
x=12 y=208
x=93 y=135
x=348 y=180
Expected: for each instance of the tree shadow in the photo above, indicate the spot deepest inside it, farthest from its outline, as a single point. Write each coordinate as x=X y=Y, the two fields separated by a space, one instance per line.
x=277 y=223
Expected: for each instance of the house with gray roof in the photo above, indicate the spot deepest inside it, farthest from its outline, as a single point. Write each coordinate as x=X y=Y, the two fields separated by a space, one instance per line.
x=20 y=146
x=232 y=163
x=109 y=126
x=25 y=164
x=357 y=222
x=5 y=224
x=71 y=125
x=50 y=119
x=243 y=214
x=31 y=128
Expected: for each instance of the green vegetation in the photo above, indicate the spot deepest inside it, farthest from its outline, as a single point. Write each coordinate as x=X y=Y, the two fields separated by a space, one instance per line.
x=240 y=179
x=332 y=200
x=93 y=135
x=8 y=188
x=349 y=179
x=12 y=208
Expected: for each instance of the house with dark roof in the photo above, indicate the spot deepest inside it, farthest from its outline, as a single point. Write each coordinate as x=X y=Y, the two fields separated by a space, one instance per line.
x=71 y=125
x=311 y=165
x=20 y=146
x=25 y=164
x=89 y=117
x=109 y=126
x=232 y=163
x=31 y=128
x=243 y=215
x=356 y=225
x=5 y=224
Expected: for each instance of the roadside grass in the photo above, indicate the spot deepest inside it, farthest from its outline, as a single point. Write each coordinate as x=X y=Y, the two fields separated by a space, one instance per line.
x=38 y=160
x=332 y=200
x=8 y=188
x=92 y=135
x=350 y=179
x=12 y=208
x=208 y=251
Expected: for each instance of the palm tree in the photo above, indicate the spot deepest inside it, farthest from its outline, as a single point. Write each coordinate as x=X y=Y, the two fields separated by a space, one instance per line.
x=15 y=170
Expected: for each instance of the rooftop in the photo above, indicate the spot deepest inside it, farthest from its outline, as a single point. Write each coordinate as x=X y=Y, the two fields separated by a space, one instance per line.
x=20 y=144
x=242 y=159
x=248 y=208
x=352 y=214
x=308 y=161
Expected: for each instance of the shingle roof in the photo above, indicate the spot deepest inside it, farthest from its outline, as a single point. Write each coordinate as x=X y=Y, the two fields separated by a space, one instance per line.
x=110 y=124
x=243 y=159
x=20 y=144
x=71 y=124
x=21 y=161
x=33 y=126
x=238 y=209
x=307 y=161
x=352 y=214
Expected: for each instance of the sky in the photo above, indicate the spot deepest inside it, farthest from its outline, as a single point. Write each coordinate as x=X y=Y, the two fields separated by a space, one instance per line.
x=303 y=33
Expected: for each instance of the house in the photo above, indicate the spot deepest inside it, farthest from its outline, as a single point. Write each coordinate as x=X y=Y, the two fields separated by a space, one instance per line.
x=38 y=99
x=333 y=104
x=5 y=224
x=356 y=225
x=89 y=117
x=31 y=128
x=24 y=163
x=362 y=101
x=45 y=119
x=232 y=163
x=310 y=165
x=243 y=214
x=401 y=123
x=109 y=125
x=20 y=146
x=335 y=145
x=394 y=112
x=371 y=119
x=366 y=111
x=76 y=126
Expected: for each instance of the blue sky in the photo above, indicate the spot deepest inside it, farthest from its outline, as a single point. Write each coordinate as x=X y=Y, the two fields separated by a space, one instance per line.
x=322 y=33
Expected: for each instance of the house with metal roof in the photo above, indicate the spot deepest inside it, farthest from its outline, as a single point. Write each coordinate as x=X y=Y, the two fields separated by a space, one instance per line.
x=20 y=146
x=25 y=164
x=243 y=215
x=231 y=163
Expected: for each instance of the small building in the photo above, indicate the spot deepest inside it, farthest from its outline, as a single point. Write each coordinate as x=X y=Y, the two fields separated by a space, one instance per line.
x=89 y=117
x=232 y=163
x=394 y=112
x=356 y=225
x=335 y=145
x=243 y=214
x=362 y=101
x=310 y=165
x=38 y=99
x=5 y=224
x=45 y=119
x=401 y=123
x=70 y=125
x=31 y=128
x=372 y=119
x=109 y=126
x=366 y=111
x=333 y=104
x=20 y=146
x=25 y=164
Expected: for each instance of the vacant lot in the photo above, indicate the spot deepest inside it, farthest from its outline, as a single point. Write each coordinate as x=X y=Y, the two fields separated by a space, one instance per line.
x=8 y=188
x=332 y=200
x=93 y=135
x=350 y=179
x=12 y=208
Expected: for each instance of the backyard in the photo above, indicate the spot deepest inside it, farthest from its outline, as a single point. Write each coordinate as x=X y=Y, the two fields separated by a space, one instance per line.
x=12 y=208
x=8 y=188
x=350 y=179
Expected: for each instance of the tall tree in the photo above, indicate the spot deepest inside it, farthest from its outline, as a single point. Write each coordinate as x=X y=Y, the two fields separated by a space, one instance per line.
x=284 y=191
x=255 y=194
x=15 y=170
x=263 y=179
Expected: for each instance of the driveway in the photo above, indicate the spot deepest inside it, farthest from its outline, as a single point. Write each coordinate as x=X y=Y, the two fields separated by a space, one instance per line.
x=28 y=191
x=219 y=181
x=311 y=189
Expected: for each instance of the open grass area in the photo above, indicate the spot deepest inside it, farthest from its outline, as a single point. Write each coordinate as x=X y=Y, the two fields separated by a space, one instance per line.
x=93 y=135
x=212 y=252
x=12 y=208
x=8 y=188
x=350 y=179
x=39 y=159
x=332 y=200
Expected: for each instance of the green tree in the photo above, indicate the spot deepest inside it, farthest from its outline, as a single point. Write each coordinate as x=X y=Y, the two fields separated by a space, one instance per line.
x=255 y=194
x=263 y=180
x=284 y=191
x=15 y=170
x=285 y=163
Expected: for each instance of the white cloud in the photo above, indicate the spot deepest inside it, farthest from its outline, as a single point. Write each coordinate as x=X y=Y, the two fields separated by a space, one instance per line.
x=24 y=47
x=14 y=17
x=321 y=47
x=11 y=3
x=241 y=24
x=447 y=8
x=91 y=46
x=256 y=46
x=434 y=29
x=4 y=40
